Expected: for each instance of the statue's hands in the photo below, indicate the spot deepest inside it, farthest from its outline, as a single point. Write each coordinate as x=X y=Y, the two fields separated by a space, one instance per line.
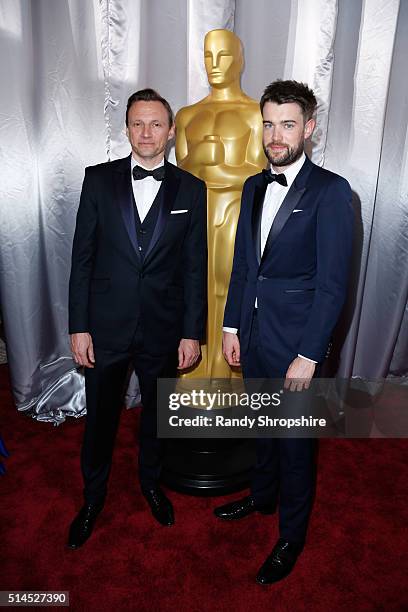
x=210 y=151
x=226 y=177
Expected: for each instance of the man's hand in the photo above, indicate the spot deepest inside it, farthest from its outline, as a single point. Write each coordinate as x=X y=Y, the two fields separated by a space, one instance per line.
x=231 y=348
x=82 y=349
x=188 y=353
x=299 y=374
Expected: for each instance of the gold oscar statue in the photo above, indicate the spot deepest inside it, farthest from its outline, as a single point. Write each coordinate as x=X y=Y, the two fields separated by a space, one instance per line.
x=219 y=139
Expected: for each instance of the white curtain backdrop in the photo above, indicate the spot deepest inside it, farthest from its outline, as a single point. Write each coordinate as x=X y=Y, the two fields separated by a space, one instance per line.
x=67 y=68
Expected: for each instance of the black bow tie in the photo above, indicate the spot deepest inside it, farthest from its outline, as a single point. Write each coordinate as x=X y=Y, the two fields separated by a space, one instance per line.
x=140 y=173
x=279 y=178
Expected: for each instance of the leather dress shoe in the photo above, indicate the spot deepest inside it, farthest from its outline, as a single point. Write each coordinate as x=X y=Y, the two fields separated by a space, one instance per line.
x=160 y=505
x=280 y=562
x=82 y=525
x=240 y=508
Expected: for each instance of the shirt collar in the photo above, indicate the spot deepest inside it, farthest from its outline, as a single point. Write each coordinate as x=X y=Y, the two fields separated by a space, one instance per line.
x=134 y=162
x=293 y=170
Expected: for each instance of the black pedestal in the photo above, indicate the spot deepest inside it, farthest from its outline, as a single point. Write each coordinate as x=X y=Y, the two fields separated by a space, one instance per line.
x=208 y=467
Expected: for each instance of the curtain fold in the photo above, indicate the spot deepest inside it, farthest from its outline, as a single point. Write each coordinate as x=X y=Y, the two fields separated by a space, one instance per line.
x=356 y=136
x=314 y=31
x=382 y=340
x=51 y=128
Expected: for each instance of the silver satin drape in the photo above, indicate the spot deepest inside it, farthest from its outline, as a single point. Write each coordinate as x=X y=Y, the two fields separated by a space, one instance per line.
x=67 y=68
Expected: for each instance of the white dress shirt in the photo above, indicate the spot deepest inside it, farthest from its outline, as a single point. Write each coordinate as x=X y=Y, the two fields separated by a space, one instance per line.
x=274 y=196
x=144 y=190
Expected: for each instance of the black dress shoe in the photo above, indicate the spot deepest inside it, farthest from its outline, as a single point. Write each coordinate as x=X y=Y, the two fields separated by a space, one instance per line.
x=82 y=525
x=280 y=562
x=240 y=508
x=160 y=505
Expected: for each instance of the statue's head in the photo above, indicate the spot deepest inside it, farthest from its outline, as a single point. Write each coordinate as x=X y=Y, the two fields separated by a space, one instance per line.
x=223 y=57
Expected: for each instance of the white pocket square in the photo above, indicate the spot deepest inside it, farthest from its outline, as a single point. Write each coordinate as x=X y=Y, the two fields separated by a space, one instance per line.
x=298 y=210
x=178 y=212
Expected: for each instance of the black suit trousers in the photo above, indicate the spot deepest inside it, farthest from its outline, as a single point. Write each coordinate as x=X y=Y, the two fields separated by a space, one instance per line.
x=104 y=385
x=285 y=467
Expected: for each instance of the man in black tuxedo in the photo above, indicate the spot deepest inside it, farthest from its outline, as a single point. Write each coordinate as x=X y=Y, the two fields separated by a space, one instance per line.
x=287 y=289
x=137 y=294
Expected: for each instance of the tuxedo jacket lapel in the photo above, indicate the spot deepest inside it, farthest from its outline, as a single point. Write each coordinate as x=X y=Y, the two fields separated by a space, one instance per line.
x=167 y=193
x=288 y=205
x=125 y=199
x=259 y=195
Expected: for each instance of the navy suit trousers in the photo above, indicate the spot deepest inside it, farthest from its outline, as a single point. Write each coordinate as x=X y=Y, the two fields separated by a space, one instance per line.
x=104 y=385
x=285 y=467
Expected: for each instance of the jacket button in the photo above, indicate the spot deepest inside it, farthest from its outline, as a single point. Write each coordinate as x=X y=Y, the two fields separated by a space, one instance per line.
x=261 y=278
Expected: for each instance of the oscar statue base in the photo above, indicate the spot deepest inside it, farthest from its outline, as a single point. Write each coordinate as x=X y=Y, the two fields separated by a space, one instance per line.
x=208 y=467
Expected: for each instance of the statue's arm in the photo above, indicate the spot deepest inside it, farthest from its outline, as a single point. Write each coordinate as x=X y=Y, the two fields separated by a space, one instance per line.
x=181 y=140
x=255 y=159
x=255 y=154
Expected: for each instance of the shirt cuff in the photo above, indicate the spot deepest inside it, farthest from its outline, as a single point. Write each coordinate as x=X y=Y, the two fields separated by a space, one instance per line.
x=230 y=330
x=307 y=359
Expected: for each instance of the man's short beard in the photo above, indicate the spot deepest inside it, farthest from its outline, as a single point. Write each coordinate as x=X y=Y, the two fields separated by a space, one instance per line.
x=290 y=158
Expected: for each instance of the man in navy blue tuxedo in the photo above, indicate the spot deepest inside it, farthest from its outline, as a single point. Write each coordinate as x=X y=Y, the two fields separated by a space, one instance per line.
x=287 y=289
x=137 y=295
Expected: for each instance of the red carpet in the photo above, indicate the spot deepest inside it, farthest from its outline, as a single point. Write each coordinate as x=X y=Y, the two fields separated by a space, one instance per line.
x=355 y=558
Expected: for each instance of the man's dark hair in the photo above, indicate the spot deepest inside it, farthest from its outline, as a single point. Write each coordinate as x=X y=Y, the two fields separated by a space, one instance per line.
x=149 y=95
x=282 y=92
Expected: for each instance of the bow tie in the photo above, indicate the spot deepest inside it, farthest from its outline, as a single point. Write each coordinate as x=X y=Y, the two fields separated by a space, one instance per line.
x=279 y=178
x=140 y=173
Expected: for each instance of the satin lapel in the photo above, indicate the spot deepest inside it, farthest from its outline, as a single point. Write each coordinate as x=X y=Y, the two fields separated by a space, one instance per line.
x=167 y=194
x=125 y=199
x=259 y=195
x=288 y=205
